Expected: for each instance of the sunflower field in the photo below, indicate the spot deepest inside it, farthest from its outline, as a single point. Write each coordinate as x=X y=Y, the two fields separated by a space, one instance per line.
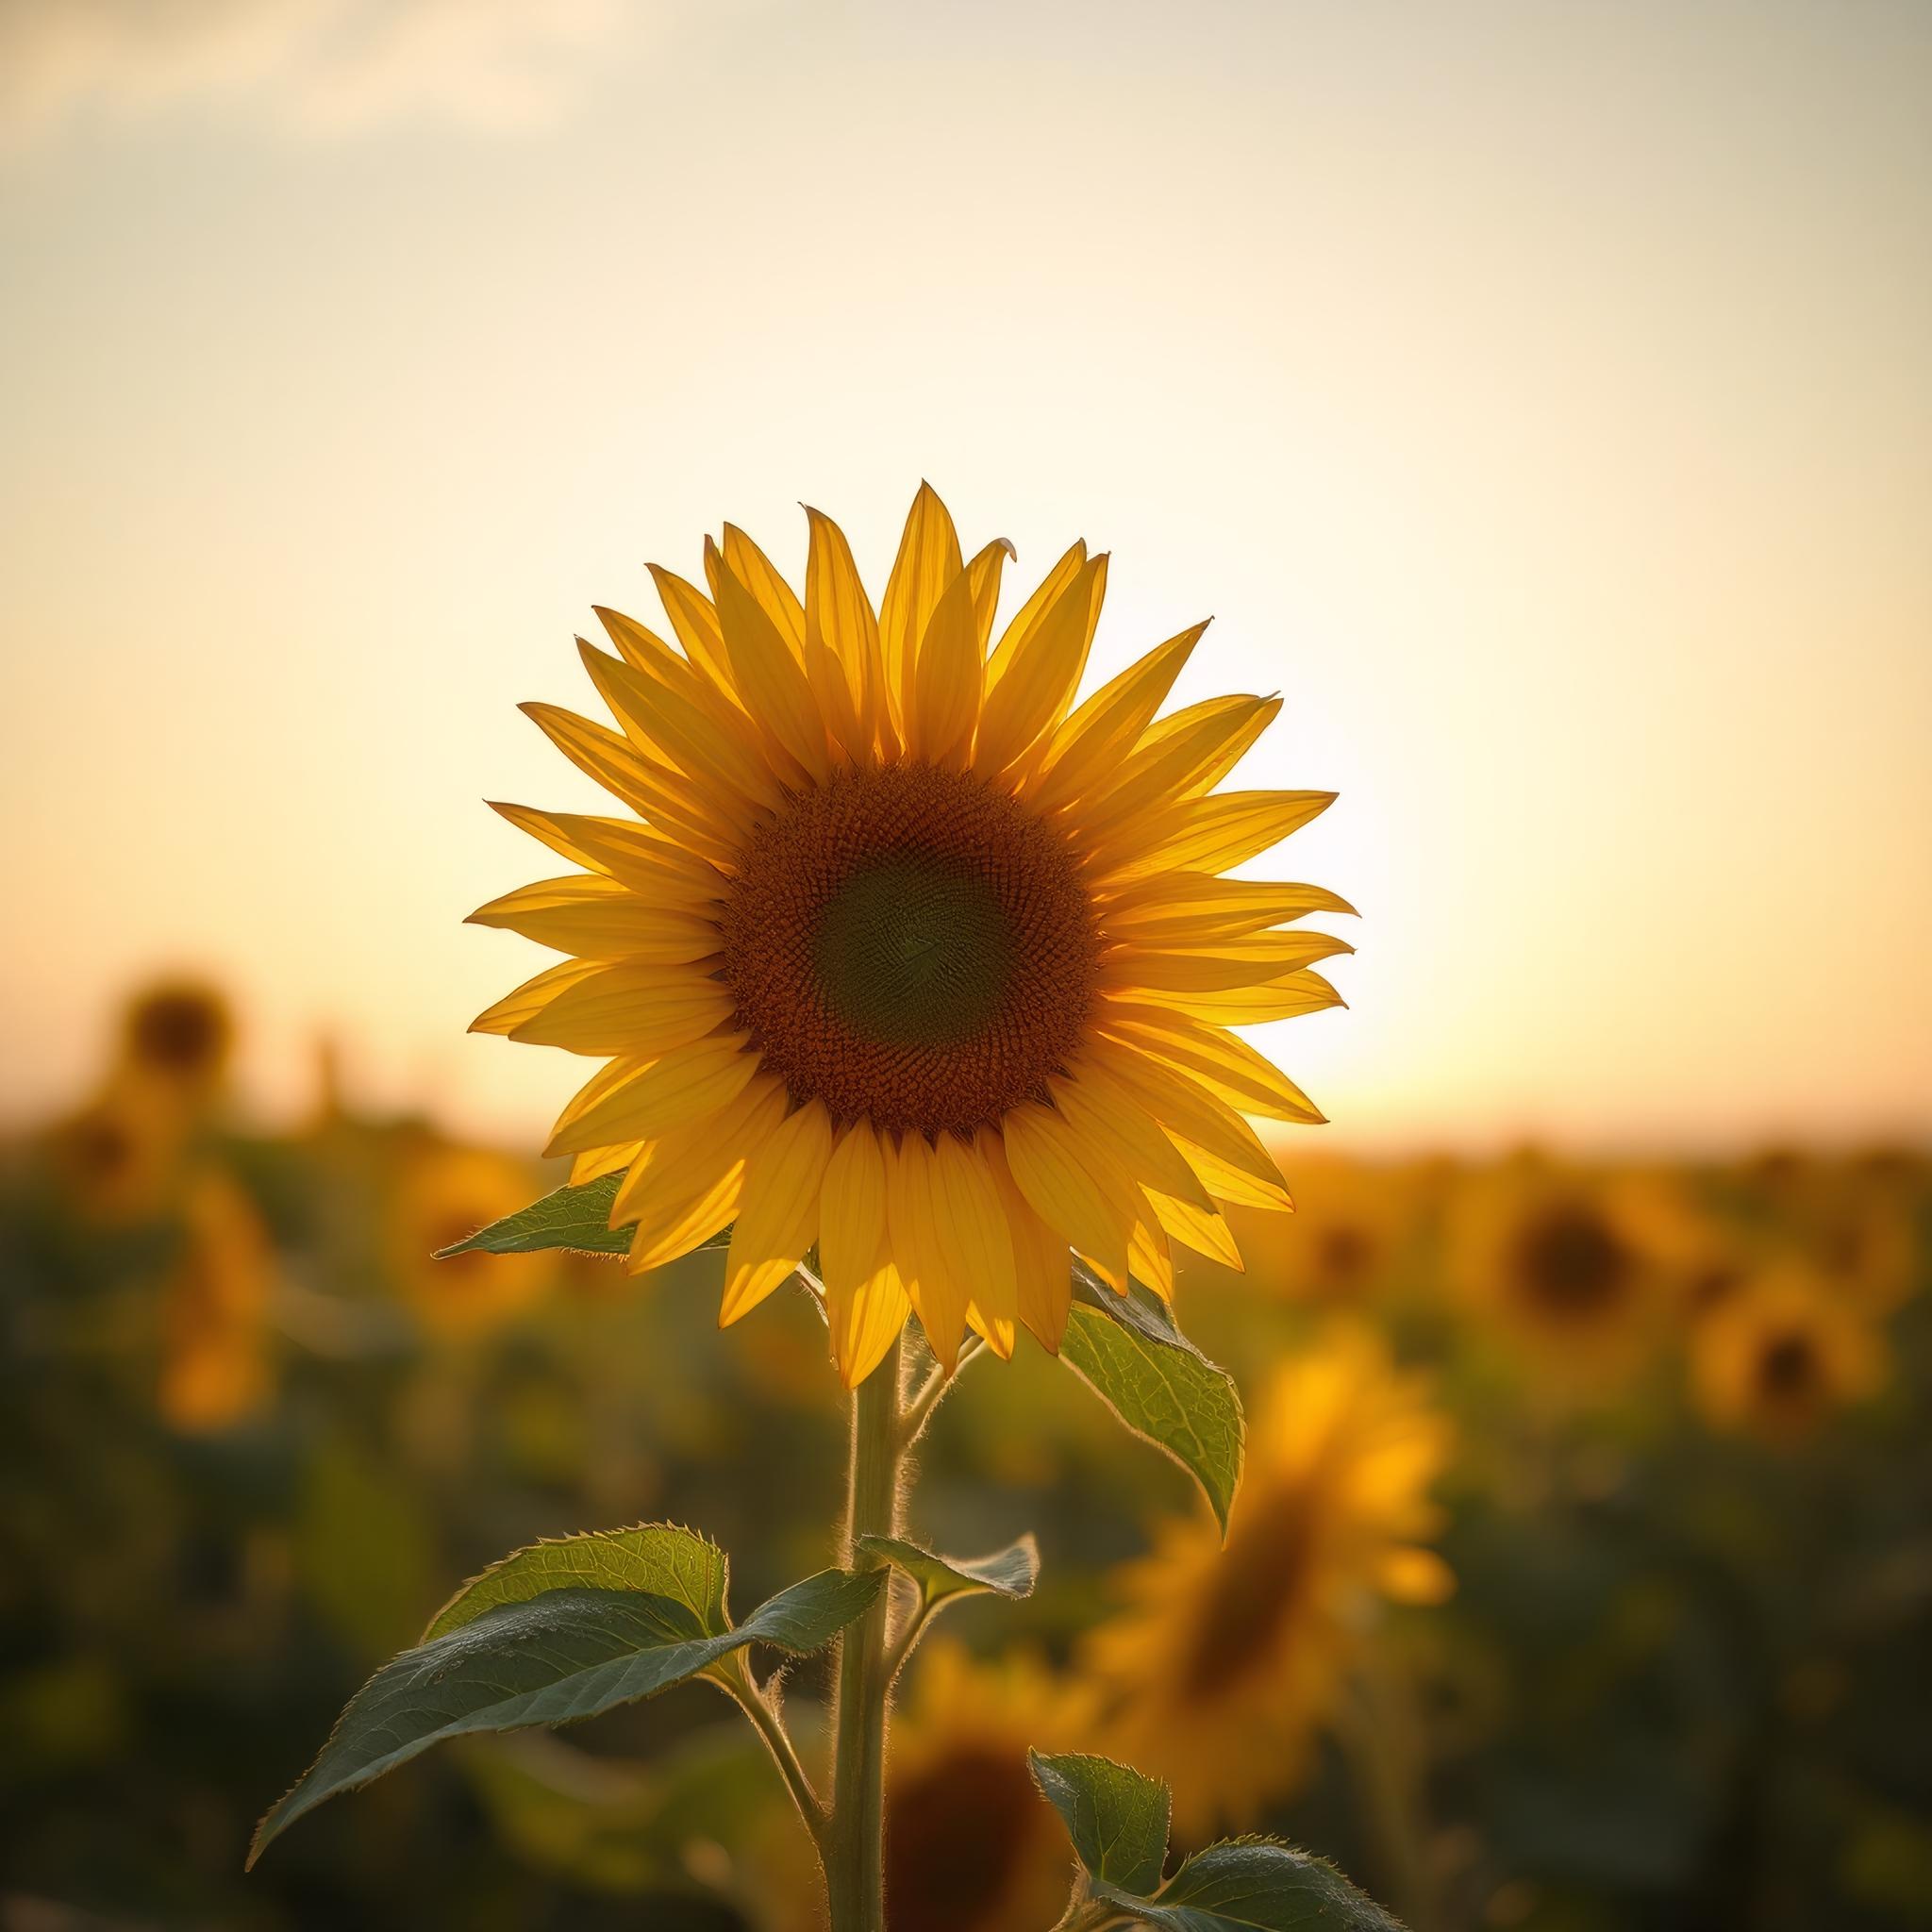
x=1579 y=1578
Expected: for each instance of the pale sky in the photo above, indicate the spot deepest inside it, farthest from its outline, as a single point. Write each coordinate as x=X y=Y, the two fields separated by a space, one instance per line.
x=1539 y=396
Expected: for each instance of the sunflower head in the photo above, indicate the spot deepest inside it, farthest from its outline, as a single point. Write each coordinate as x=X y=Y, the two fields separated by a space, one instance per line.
x=1224 y=1664
x=117 y=1159
x=179 y=1033
x=216 y=1362
x=1781 y=1355
x=901 y=952
x=443 y=1193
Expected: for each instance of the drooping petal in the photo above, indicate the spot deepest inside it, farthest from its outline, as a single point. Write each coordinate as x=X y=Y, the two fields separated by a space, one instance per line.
x=852 y=1211
x=598 y=1164
x=1206 y=1233
x=864 y=1318
x=927 y=561
x=684 y=1188
x=601 y=919
x=932 y=1280
x=971 y=1227
x=779 y=1211
x=1045 y=1160
x=1042 y=1262
x=1150 y=1260
x=661 y=1094
x=628 y=1008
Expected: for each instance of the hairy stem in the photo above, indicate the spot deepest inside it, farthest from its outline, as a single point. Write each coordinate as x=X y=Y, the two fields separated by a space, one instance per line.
x=855 y=1841
x=763 y=1712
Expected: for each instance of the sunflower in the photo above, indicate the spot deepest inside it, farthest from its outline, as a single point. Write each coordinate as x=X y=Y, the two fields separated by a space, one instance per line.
x=971 y=1845
x=116 y=1160
x=1225 y=1664
x=1573 y=1271
x=905 y=955
x=216 y=1366
x=179 y=1033
x=1781 y=1354
x=1352 y=1222
x=443 y=1194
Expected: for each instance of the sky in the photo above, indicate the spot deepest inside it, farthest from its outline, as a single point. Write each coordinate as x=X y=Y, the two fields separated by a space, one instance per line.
x=1539 y=396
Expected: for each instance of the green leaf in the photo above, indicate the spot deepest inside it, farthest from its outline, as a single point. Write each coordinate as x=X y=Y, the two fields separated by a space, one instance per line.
x=1162 y=1387
x=1117 y=1821
x=1253 y=1884
x=658 y=1559
x=551 y=1658
x=577 y=1218
x=1139 y=1309
x=1117 y=1818
x=1010 y=1572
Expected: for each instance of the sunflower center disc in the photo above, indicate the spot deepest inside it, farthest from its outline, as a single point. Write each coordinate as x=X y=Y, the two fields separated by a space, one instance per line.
x=912 y=947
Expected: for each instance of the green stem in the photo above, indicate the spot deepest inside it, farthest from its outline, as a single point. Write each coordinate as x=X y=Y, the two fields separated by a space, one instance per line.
x=855 y=1841
x=763 y=1712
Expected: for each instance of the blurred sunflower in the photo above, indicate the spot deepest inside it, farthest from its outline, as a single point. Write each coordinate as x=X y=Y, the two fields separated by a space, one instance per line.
x=1224 y=1665
x=905 y=955
x=216 y=1359
x=1350 y=1224
x=1782 y=1354
x=442 y=1195
x=180 y=1034
x=1857 y=1234
x=971 y=1845
x=1573 y=1270
x=116 y=1160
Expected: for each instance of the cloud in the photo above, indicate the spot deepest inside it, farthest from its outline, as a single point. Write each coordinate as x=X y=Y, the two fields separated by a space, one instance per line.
x=300 y=67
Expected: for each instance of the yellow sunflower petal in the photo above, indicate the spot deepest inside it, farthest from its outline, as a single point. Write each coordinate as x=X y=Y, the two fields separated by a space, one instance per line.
x=1255 y=960
x=1043 y=671
x=852 y=1211
x=650 y=789
x=1217 y=1058
x=628 y=1008
x=842 y=640
x=779 y=1211
x=661 y=1094
x=1231 y=1185
x=927 y=561
x=694 y=620
x=1104 y=1113
x=1047 y=1160
x=1286 y=998
x=1042 y=1262
x=1184 y=1107
x=971 y=1225
x=530 y=998
x=666 y=724
x=648 y=654
x=598 y=1162
x=1197 y=906
x=1200 y=749
x=1213 y=833
x=1208 y=1233
x=1026 y=620
x=1092 y=742
x=1414 y=1575
x=599 y=918
x=946 y=680
x=770 y=680
x=983 y=574
x=763 y=579
x=684 y=1188
x=864 y=1318
x=932 y=1279
x=1149 y=1258
x=644 y=860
